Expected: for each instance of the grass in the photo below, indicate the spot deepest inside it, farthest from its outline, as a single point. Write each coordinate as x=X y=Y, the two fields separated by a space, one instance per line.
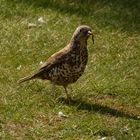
x=106 y=98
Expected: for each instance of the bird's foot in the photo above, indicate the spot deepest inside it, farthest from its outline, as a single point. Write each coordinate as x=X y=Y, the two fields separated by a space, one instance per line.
x=68 y=100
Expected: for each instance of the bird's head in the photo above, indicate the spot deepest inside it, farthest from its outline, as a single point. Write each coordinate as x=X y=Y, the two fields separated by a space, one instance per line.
x=82 y=33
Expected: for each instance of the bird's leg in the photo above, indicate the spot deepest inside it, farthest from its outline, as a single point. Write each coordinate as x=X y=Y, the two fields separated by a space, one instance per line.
x=54 y=93
x=68 y=97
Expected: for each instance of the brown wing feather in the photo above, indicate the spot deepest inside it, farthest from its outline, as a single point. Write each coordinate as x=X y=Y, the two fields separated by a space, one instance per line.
x=55 y=59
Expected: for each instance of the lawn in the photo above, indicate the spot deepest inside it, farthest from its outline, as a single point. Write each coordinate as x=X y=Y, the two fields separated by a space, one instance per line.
x=106 y=99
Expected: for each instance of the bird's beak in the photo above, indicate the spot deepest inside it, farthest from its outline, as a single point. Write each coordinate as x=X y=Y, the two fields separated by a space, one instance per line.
x=90 y=33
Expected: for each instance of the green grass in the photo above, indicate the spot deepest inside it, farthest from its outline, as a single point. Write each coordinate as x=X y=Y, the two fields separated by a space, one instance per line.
x=106 y=98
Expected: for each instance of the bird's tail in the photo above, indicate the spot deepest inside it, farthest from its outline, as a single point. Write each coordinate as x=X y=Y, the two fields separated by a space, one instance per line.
x=25 y=79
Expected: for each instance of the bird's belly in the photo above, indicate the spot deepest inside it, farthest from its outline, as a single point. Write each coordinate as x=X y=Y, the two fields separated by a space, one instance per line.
x=66 y=74
x=69 y=71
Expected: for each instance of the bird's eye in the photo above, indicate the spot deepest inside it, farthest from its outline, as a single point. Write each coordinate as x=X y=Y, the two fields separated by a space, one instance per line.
x=80 y=30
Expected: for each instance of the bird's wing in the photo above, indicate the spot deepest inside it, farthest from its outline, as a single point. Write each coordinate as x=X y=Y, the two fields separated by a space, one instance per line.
x=56 y=59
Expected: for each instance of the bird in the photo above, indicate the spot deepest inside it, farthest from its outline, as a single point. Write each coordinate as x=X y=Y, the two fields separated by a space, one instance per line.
x=67 y=65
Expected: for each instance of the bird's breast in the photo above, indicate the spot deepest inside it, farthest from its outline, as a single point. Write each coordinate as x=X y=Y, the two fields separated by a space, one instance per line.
x=77 y=61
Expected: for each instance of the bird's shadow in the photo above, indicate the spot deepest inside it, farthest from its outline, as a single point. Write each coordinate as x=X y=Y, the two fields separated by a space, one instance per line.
x=95 y=107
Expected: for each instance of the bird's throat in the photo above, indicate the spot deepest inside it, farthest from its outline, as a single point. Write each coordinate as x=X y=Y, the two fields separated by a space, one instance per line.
x=83 y=43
